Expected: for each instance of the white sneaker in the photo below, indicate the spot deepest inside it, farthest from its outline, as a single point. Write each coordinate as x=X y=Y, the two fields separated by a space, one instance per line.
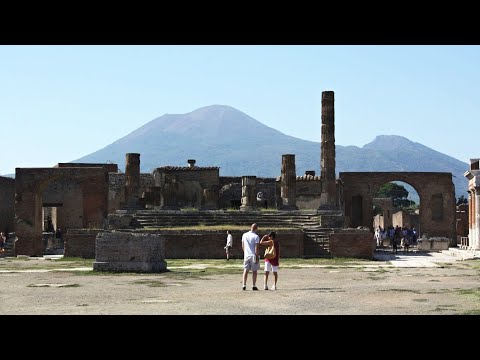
x=274 y=287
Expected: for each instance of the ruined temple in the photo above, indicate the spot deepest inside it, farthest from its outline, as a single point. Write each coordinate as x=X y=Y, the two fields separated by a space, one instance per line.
x=97 y=197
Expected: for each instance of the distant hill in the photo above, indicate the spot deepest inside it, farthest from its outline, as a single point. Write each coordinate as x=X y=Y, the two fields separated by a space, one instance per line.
x=223 y=136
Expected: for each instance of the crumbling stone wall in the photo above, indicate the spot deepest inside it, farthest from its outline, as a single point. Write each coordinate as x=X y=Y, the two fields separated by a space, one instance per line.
x=90 y=193
x=230 y=193
x=116 y=189
x=7 y=204
x=183 y=187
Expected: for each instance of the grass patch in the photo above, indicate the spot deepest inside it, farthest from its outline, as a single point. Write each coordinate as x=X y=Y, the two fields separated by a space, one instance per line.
x=403 y=290
x=472 y=312
x=54 y=285
x=151 y=283
x=475 y=292
x=420 y=300
x=375 y=278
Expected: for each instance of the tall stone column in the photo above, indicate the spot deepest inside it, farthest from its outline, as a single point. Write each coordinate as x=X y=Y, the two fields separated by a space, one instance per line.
x=132 y=183
x=476 y=242
x=327 y=160
x=288 y=183
x=249 y=193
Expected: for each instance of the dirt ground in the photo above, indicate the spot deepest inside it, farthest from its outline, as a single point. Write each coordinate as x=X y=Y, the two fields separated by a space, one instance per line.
x=368 y=287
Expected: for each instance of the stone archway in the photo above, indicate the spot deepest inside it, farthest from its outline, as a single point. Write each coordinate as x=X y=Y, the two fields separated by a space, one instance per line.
x=90 y=190
x=436 y=192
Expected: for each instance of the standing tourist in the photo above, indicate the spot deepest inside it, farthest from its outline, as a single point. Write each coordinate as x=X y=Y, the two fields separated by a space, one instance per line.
x=250 y=242
x=271 y=264
x=228 y=246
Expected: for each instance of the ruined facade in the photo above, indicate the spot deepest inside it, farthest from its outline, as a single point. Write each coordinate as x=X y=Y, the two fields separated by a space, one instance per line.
x=79 y=194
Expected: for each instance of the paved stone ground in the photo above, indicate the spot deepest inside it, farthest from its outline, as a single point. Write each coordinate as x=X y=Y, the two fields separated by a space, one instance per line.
x=414 y=259
x=446 y=282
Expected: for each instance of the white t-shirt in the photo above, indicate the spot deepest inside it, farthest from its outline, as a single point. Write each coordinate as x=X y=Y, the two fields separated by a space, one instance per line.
x=229 y=240
x=249 y=239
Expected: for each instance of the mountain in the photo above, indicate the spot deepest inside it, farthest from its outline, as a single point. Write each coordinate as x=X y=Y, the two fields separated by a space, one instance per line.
x=220 y=135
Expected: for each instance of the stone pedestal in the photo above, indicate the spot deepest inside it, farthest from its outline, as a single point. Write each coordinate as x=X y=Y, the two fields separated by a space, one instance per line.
x=130 y=252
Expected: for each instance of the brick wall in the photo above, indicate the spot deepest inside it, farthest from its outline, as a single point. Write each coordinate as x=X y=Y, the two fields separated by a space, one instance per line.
x=352 y=243
x=80 y=243
x=188 y=244
x=7 y=204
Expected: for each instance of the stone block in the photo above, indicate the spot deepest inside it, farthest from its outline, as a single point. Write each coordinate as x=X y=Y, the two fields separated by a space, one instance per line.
x=129 y=252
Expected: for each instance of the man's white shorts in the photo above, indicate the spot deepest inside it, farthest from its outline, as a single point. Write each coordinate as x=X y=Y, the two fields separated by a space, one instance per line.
x=269 y=267
x=250 y=264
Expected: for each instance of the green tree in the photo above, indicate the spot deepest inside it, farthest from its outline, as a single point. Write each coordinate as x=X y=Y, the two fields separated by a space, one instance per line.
x=396 y=192
x=462 y=200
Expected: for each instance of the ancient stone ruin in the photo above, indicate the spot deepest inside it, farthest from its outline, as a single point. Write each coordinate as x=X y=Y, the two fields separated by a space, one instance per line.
x=86 y=201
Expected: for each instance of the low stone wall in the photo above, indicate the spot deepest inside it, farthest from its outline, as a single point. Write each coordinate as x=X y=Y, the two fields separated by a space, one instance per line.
x=210 y=244
x=189 y=244
x=130 y=252
x=80 y=243
x=353 y=243
x=433 y=244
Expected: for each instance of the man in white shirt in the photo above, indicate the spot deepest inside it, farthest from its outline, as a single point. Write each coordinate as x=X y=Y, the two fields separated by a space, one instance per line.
x=229 y=245
x=251 y=260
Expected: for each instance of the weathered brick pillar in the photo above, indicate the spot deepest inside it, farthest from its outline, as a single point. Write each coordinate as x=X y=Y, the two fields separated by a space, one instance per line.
x=249 y=193
x=470 y=217
x=288 y=183
x=327 y=167
x=132 y=183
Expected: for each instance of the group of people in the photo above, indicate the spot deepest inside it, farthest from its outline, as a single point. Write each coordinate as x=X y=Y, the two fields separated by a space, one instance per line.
x=251 y=246
x=405 y=237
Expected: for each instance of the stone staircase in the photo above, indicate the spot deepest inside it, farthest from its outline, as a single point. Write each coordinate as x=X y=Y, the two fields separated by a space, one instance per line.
x=265 y=220
x=316 y=243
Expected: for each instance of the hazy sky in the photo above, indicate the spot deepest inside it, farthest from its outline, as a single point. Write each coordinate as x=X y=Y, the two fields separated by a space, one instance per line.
x=59 y=103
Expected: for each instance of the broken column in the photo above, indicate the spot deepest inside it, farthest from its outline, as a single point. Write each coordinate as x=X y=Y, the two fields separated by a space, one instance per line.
x=327 y=161
x=132 y=183
x=249 y=193
x=288 y=183
x=330 y=215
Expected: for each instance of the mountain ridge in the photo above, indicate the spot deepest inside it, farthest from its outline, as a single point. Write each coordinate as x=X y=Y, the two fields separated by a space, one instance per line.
x=220 y=135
